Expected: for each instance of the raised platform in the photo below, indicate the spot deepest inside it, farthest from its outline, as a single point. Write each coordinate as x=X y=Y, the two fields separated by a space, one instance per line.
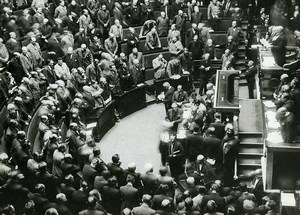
x=250 y=118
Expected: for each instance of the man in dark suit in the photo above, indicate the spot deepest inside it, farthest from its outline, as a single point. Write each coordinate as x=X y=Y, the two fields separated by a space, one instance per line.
x=250 y=77
x=168 y=93
x=49 y=72
x=229 y=154
x=129 y=194
x=116 y=170
x=190 y=34
x=219 y=126
x=193 y=144
x=180 y=96
x=204 y=72
x=214 y=195
x=144 y=209
x=136 y=72
x=174 y=154
x=236 y=32
x=149 y=180
x=72 y=59
x=174 y=115
x=278 y=48
x=201 y=170
x=157 y=199
x=211 y=144
x=111 y=197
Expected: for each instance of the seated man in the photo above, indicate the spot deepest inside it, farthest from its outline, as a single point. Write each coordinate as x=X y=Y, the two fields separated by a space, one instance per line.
x=152 y=40
x=174 y=67
x=180 y=96
x=159 y=65
x=146 y=28
x=175 y=47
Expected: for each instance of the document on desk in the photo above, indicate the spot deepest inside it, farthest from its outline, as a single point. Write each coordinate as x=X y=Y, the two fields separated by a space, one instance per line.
x=288 y=199
x=268 y=61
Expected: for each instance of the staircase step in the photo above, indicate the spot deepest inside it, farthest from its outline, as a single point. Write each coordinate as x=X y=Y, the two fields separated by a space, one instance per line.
x=242 y=47
x=250 y=165
x=251 y=144
x=243 y=171
x=240 y=62
x=249 y=162
x=246 y=150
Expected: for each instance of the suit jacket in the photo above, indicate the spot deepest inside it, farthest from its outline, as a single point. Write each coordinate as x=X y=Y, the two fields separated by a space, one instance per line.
x=150 y=182
x=174 y=67
x=111 y=199
x=157 y=200
x=194 y=145
x=204 y=34
x=72 y=60
x=169 y=94
x=144 y=209
x=219 y=129
x=139 y=57
x=174 y=115
x=210 y=50
x=152 y=40
x=196 y=17
x=136 y=75
x=211 y=147
x=189 y=36
x=250 y=73
x=130 y=197
x=116 y=171
x=218 y=199
x=180 y=97
x=111 y=46
x=235 y=33
x=91 y=212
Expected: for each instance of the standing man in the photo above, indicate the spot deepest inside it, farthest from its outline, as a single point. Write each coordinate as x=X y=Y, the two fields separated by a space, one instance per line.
x=174 y=156
x=168 y=95
x=229 y=154
x=250 y=77
x=136 y=72
x=162 y=24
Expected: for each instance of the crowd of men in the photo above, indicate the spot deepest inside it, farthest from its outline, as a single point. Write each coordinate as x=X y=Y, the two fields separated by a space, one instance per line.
x=67 y=57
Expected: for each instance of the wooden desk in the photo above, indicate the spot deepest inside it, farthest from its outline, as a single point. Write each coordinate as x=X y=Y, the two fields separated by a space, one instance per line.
x=268 y=71
x=184 y=80
x=105 y=121
x=131 y=101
